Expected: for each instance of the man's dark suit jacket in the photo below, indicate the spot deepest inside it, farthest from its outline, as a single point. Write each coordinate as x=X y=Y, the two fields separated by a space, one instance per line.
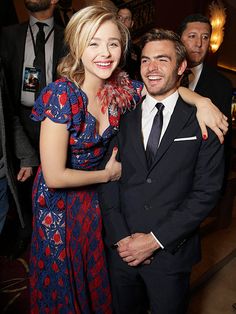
x=218 y=88
x=175 y=195
x=14 y=143
x=12 y=50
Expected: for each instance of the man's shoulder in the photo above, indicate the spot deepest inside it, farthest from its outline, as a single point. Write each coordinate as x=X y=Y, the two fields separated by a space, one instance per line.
x=186 y=112
x=214 y=73
x=13 y=34
x=58 y=28
x=185 y=106
x=12 y=29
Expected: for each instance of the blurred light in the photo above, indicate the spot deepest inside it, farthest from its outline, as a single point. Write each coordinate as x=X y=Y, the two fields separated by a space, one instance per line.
x=217 y=19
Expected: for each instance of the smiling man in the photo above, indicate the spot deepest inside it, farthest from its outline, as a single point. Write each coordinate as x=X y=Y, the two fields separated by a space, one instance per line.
x=171 y=179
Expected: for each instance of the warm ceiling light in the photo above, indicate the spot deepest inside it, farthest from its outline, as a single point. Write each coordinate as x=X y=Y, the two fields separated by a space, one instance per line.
x=217 y=19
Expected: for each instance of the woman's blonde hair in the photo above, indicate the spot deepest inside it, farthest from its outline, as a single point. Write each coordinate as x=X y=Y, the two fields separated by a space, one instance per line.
x=78 y=34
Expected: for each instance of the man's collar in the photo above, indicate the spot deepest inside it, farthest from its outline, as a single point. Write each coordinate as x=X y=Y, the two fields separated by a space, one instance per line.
x=168 y=102
x=197 y=69
x=49 y=22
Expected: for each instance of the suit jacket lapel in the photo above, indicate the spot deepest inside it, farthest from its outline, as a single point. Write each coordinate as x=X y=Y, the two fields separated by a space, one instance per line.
x=180 y=116
x=58 y=48
x=135 y=127
x=202 y=80
x=21 y=38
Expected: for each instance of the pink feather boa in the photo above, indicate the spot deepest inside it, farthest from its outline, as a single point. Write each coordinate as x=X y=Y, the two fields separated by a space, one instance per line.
x=117 y=92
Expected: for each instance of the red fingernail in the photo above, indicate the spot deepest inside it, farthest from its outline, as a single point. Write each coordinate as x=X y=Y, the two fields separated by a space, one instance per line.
x=115 y=148
x=204 y=137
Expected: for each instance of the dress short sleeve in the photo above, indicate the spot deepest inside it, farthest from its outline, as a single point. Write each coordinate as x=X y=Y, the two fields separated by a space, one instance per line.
x=59 y=101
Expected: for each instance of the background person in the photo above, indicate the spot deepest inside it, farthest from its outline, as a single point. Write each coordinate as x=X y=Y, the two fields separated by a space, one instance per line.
x=17 y=47
x=13 y=144
x=195 y=31
x=63 y=12
x=132 y=64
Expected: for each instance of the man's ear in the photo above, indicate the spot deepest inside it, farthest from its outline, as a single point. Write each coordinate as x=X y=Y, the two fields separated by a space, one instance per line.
x=182 y=67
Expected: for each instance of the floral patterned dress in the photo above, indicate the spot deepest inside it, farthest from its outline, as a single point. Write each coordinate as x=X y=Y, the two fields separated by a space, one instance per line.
x=68 y=272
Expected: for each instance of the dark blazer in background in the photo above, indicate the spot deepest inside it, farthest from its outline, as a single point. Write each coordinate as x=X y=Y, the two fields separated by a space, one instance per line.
x=12 y=49
x=218 y=88
x=14 y=143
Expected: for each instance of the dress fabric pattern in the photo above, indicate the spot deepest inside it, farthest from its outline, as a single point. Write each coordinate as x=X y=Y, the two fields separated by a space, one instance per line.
x=68 y=271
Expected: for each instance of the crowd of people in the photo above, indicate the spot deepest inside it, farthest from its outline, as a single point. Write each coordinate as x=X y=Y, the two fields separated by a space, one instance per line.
x=131 y=162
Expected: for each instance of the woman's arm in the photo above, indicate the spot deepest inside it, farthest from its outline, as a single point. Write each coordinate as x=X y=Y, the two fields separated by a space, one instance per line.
x=207 y=113
x=53 y=152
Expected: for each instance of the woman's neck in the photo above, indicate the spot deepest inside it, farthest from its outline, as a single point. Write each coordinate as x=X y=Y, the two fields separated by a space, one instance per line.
x=91 y=88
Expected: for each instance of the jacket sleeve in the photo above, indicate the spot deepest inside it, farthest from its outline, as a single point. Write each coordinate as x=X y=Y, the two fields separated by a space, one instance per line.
x=21 y=146
x=205 y=191
x=23 y=149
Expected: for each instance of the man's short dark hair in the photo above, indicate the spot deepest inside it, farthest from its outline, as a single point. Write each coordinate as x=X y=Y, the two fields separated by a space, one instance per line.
x=125 y=7
x=193 y=18
x=160 y=34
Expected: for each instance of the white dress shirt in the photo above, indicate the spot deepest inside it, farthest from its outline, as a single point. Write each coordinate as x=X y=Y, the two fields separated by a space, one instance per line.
x=149 y=111
x=194 y=76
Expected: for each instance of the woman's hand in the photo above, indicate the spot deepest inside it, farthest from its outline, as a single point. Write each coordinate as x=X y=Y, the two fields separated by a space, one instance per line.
x=209 y=115
x=113 y=166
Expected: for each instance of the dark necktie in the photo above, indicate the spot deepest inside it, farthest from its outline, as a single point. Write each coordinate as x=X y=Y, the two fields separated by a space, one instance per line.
x=185 y=79
x=39 y=61
x=154 y=137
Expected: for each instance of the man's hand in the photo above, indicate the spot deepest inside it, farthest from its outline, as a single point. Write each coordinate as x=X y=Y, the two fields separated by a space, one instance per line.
x=123 y=241
x=24 y=173
x=137 y=249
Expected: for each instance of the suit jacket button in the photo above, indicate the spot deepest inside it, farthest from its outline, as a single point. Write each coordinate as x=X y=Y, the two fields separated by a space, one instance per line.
x=149 y=180
x=146 y=207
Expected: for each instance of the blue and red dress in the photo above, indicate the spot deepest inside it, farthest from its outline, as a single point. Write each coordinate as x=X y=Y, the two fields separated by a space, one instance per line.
x=68 y=271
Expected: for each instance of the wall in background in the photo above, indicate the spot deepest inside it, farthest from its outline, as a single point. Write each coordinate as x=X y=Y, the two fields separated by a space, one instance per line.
x=227 y=52
x=169 y=14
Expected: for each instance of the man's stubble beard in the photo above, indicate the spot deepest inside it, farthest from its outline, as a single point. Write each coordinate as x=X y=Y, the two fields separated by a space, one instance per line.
x=170 y=85
x=41 y=5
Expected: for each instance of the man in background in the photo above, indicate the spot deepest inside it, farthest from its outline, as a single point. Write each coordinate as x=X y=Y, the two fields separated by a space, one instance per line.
x=18 y=48
x=30 y=49
x=195 y=31
x=15 y=152
x=132 y=65
x=63 y=12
